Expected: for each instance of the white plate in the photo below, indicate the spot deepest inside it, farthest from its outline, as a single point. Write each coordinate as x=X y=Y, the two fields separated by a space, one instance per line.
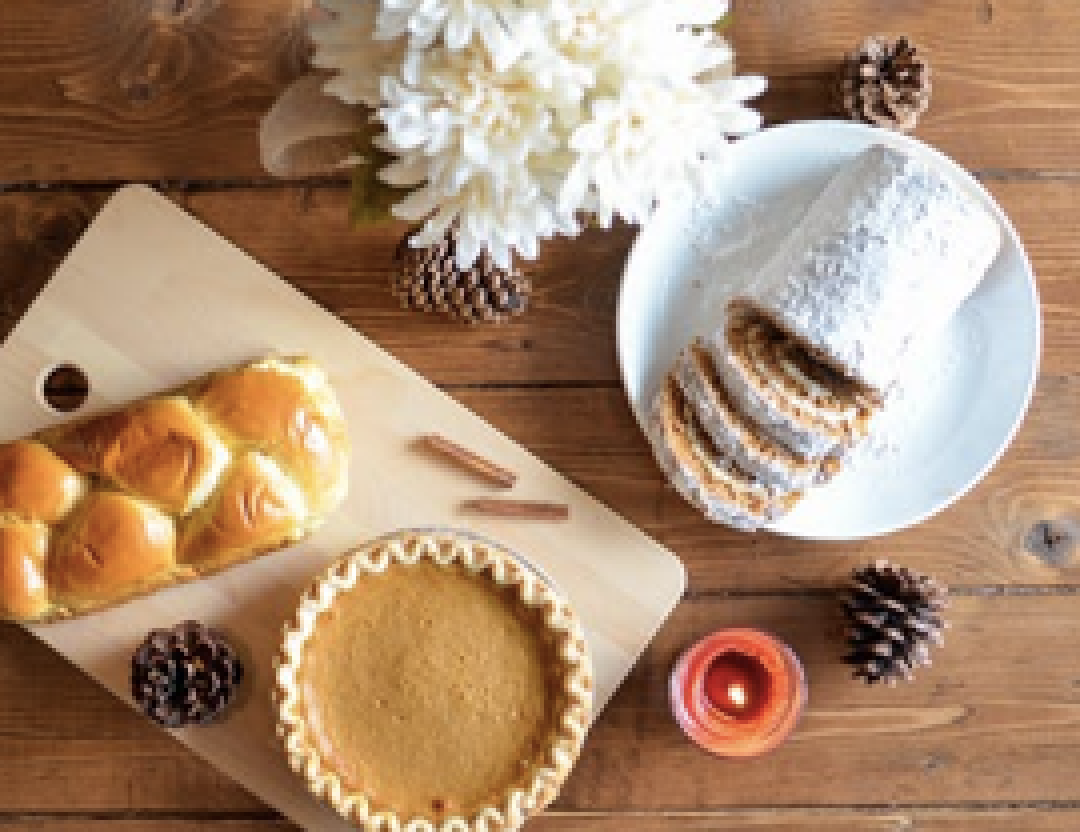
x=975 y=379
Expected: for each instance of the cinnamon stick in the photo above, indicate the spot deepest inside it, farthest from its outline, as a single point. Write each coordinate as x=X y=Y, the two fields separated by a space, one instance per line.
x=475 y=464
x=525 y=509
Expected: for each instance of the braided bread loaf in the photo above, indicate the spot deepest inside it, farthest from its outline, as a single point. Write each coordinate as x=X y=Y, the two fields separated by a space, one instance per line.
x=172 y=487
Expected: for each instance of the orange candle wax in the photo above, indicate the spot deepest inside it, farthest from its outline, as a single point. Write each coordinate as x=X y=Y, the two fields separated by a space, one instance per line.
x=738 y=693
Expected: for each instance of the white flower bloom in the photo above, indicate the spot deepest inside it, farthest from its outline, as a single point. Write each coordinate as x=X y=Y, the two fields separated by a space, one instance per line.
x=481 y=147
x=511 y=118
x=508 y=218
x=648 y=144
x=345 y=42
x=496 y=22
x=640 y=37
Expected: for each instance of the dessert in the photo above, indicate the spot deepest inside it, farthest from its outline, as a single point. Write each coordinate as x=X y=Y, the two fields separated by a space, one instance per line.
x=430 y=682
x=794 y=400
x=722 y=418
x=702 y=473
x=95 y=511
x=775 y=398
x=885 y=254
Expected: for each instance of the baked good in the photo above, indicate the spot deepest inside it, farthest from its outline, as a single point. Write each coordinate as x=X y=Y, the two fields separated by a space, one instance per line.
x=886 y=254
x=169 y=488
x=702 y=473
x=763 y=458
x=792 y=379
x=431 y=682
x=793 y=399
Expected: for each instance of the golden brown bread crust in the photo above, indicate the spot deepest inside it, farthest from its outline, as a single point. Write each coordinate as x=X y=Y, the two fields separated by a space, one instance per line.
x=283 y=420
x=36 y=484
x=169 y=488
x=257 y=507
x=157 y=448
x=23 y=547
x=111 y=545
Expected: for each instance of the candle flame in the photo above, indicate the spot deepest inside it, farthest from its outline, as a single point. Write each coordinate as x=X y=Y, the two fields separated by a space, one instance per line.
x=737 y=695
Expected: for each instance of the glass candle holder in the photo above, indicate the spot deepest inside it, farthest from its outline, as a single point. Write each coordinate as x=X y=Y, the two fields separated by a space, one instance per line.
x=738 y=693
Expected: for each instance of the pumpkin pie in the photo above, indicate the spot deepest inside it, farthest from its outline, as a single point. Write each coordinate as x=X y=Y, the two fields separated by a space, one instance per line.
x=430 y=682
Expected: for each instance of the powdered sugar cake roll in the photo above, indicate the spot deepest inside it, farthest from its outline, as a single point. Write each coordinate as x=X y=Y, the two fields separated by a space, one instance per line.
x=887 y=253
x=702 y=473
x=733 y=433
x=797 y=403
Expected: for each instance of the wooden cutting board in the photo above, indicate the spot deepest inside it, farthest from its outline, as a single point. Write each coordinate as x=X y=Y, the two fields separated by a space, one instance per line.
x=149 y=298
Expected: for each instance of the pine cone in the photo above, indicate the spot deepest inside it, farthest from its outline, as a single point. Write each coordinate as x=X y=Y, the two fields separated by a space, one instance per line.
x=885 y=83
x=894 y=614
x=431 y=280
x=186 y=674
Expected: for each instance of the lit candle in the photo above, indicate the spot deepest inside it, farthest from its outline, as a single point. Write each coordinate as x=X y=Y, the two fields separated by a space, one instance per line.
x=738 y=693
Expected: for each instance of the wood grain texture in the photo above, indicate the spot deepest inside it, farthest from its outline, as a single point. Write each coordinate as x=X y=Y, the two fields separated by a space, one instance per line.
x=303 y=234
x=993 y=721
x=141 y=89
x=567 y=340
x=1005 y=78
x=149 y=89
x=149 y=297
x=981 y=540
x=568 y=335
x=778 y=820
x=814 y=820
x=119 y=90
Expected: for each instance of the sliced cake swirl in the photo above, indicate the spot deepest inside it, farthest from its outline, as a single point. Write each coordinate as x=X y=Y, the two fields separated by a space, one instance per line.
x=771 y=463
x=702 y=473
x=792 y=398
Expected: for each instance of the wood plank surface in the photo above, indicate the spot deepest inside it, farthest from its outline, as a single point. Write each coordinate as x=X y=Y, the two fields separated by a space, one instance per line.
x=147 y=279
x=567 y=337
x=1005 y=75
x=778 y=820
x=996 y=720
x=154 y=89
x=559 y=359
x=107 y=91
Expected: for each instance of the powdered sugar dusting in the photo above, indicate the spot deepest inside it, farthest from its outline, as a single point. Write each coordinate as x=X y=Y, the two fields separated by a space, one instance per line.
x=921 y=410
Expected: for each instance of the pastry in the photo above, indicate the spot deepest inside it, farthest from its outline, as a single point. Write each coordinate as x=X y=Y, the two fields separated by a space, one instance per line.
x=800 y=365
x=702 y=473
x=430 y=682
x=169 y=488
x=793 y=399
x=763 y=458
x=886 y=254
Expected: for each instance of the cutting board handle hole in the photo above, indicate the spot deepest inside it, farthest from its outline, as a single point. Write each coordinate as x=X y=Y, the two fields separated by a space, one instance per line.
x=64 y=388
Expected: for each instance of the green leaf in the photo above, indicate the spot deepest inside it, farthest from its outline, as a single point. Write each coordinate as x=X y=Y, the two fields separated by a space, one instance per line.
x=717 y=26
x=371 y=199
x=723 y=23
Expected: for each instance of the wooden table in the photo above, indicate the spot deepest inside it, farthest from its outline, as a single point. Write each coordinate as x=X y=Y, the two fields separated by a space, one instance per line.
x=95 y=93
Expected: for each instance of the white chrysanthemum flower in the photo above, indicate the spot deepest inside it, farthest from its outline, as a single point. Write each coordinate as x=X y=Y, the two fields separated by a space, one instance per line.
x=511 y=118
x=482 y=147
x=641 y=37
x=345 y=42
x=649 y=143
x=500 y=24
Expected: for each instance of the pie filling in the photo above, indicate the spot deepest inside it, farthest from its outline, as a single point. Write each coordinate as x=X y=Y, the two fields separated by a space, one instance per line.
x=429 y=690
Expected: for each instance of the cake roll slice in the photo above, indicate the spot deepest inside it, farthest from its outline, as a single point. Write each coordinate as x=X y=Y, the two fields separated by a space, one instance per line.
x=770 y=462
x=884 y=256
x=793 y=399
x=702 y=473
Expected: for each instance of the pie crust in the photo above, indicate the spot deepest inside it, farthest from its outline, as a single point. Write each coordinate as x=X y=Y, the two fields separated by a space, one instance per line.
x=522 y=717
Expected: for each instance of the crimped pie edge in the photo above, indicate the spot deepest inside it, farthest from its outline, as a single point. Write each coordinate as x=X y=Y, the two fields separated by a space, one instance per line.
x=476 y=556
